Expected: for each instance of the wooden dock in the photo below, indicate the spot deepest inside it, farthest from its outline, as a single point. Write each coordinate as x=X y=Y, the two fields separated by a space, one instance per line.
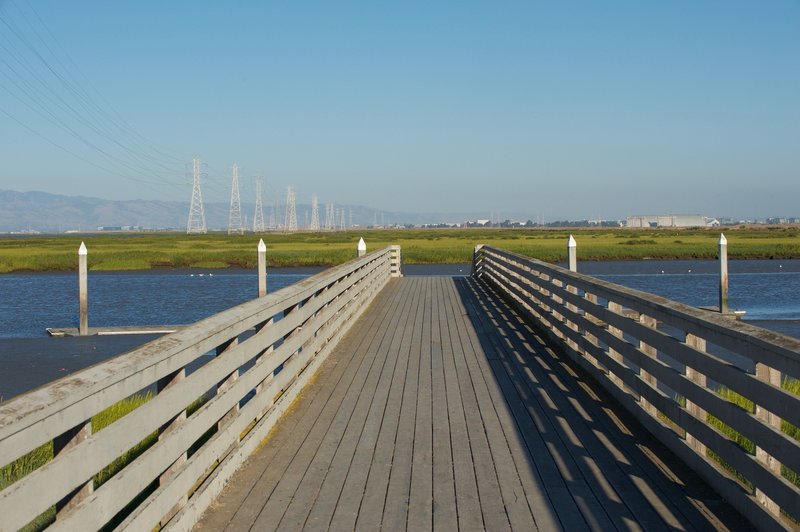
x=442 y=409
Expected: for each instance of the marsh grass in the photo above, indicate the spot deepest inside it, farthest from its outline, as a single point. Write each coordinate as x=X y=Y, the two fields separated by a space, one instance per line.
x=420 y=246
x=122 y=265
x=789 y=384
x=747 y=445
x=639 y=242
x=35 y=459
x=109 y=416
x=792 y=385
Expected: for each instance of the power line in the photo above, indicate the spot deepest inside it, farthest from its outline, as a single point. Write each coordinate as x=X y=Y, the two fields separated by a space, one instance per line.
x=112 y=115
x=73 y=110
x=76 y=155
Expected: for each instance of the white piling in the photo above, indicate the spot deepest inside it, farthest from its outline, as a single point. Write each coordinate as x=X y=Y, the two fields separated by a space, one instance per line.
x=362 y=247
x=83 y=291
x=262 y=268
x=723 y=274
x=572 y=254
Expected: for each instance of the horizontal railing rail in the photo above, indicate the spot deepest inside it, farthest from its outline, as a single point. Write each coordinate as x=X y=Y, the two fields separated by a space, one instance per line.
x=215 y=388
x=722 y=394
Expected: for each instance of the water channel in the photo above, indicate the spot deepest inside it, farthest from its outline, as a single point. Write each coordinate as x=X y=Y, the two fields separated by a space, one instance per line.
x=769 y=292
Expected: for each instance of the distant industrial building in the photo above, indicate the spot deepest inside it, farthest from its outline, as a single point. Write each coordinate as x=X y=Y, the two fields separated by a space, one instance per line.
x=667 y=220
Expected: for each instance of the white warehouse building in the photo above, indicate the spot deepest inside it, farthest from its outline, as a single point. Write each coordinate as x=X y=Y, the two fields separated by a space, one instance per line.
x=667 y=220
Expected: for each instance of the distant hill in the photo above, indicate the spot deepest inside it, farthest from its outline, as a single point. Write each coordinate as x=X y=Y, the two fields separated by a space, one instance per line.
x=40 y=211
x=51 y=213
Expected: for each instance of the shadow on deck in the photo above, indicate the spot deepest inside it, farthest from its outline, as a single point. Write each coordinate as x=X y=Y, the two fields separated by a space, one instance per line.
x=442 y=408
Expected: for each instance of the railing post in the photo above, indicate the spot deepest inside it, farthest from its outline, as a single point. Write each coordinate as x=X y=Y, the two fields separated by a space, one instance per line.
x=361 y=248
x=228 y=381
x=723 y=274
x=395 y=262
x=591 y=338
x=555 y=308
x=476 y=260
x=616 y=308
x=650 y=351
x=572 y=255
x=83 y=291
x=700 y=379
x=266 y=352
x=262 y=268
x=573 y=267
x=62 y=444
x=772 y=376
x=162 y=384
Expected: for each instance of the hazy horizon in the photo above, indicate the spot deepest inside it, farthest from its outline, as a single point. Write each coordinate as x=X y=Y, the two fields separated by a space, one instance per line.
x=570 y=111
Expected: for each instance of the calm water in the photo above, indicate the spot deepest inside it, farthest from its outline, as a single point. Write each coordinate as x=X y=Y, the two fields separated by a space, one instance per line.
x=765 y=289
x=29 y=303
x=768 y=290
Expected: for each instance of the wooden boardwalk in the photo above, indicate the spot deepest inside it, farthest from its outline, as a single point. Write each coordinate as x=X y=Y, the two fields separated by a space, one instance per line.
x=441 y=409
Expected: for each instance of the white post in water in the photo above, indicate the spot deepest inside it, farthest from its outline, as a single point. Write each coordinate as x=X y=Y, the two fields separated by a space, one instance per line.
x=362 y=247
x=262 y=268
x=723 y=274
x=572 y=255
x=83 y=291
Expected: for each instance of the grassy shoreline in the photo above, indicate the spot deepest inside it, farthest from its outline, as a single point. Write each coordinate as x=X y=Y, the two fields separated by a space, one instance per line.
x=144 y=251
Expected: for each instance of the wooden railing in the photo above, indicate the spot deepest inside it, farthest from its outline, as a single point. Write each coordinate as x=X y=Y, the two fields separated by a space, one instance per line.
x=703 y=383
x=257 y=357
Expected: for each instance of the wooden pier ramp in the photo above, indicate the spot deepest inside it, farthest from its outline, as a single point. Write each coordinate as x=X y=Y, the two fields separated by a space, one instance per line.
x=442 y=409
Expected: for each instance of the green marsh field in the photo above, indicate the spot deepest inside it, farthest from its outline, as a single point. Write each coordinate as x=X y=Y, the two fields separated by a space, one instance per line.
x=143 y=251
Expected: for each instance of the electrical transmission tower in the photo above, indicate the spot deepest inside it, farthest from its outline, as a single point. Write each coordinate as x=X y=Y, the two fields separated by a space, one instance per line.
x=258 y=216
x=197 y=217
x=290 y=224
x=341 y=220
x=314 y=214
x=235 y=212
x=329 y=217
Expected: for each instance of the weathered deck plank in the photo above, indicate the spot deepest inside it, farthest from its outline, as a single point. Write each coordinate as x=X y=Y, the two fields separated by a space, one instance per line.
x=421 y=489
x=395 y=509
x=445 y=513
x=442 y=409
x=465 y=482
x=370 y=509
x=266 y=468
x=346 y=511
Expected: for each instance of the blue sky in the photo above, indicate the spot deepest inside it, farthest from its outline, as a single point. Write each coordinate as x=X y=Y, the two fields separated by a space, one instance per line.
x=562 y=109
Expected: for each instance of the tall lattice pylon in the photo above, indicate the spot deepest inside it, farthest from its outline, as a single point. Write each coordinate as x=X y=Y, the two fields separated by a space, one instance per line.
x=258 y=216
x=329 y=217
x=235 y=211
x=290 y=224
x=197 y=217
x=342 y=225
x=314 y=214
